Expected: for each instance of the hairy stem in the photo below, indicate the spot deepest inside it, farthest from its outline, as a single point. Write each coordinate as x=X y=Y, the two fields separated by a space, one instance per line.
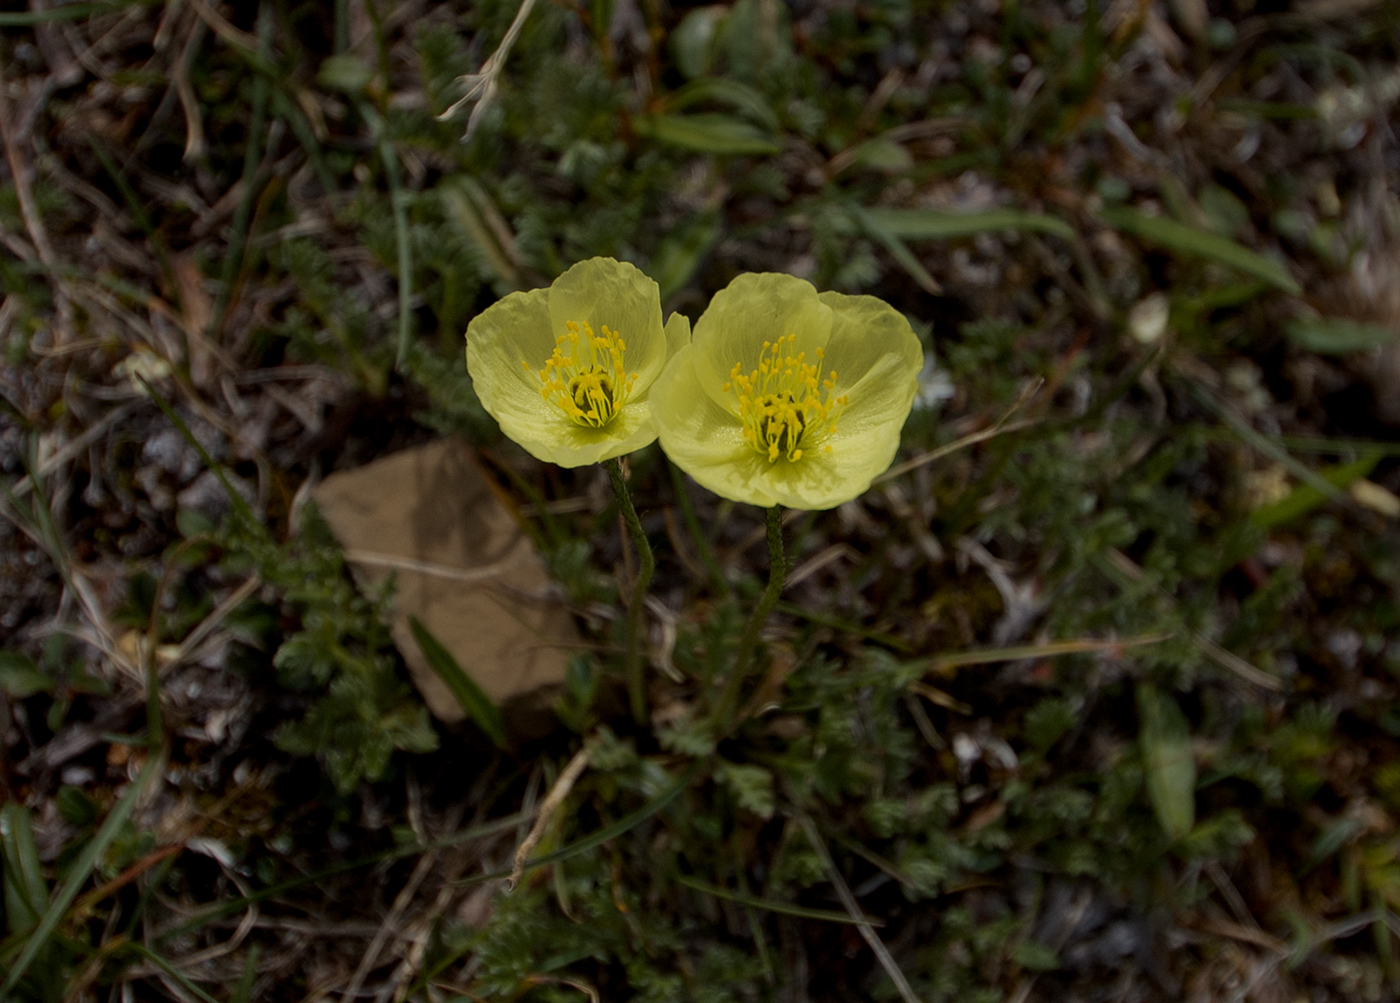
x=777 y=578
x=636 y=609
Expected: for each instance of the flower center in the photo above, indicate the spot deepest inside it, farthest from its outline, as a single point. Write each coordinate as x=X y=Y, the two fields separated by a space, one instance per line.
x=585 y=377
x=784 y=404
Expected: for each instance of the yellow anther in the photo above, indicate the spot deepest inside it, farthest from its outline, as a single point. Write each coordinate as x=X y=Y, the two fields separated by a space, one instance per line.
x=784 y=404
x=584 y=377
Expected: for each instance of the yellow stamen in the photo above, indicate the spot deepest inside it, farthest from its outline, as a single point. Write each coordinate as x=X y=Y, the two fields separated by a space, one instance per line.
x=585 y=377
x=784 y=404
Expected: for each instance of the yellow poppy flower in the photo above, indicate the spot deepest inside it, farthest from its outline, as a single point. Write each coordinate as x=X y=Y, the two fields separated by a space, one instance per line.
x=567 y=371
x=788 y=397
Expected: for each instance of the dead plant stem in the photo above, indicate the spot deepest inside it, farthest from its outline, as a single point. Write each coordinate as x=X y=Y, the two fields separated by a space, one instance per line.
x=548 y=807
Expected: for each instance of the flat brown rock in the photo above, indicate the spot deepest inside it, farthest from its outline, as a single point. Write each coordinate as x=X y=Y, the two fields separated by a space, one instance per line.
x=463 y=568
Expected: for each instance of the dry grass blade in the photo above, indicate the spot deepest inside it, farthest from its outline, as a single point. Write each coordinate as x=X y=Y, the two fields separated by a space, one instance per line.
x=211 y=623
x=1003 y=425
x=482 y=85
x=20 y=176
x=1228 y=660
x=71 y=449
x=867 y=931
x=809 y=567
x=195 y=145
x=548 y=807
x=223 y=28
x=390 y=926
x=482 y=574
x=944 y=664
x=38 y=524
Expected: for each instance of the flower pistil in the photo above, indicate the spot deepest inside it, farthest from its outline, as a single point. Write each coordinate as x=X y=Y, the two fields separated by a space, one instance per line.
x=585 y=377
x=785 y=403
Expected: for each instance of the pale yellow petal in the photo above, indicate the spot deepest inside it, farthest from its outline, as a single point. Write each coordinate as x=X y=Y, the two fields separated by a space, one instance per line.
x=579 y=445
x=602 y=291
x=507 y=345
x=871 y=348
x=755 y=308
x=677 y=333
x=700 y=436
x=677 y=337
x=876 y=357
x=501 y=341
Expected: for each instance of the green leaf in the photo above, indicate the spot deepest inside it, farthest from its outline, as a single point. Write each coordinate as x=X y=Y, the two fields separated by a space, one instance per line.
x=173 y=972
x=752 y=787
x=191 y=523
x=707 y=133
x=874 y=228
x=1224 y=211
x=1185 y=239
x=741 y=97
x=881 y=154
x=473 y=700
x=1035 y=956
x=26 y=894
x=1047 y=722
x=470 y=209
x=347 y=73
x=1337 y=835
x=75 y=806
x=693 y=40
x=1305 y=497
x=1169 y=764
x=934 y=224
x=1335 y=336
x=681 y=252
x=20 y=677
x=243 y=993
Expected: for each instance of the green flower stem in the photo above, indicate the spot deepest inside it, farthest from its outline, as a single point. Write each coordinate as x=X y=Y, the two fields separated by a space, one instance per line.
x=777 y=578
x=636 y=609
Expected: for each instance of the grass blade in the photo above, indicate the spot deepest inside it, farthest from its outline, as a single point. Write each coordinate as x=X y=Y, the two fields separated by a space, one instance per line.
x=785 y=908
x=173 y=972
x=739 y=96
x=873 y=228
x=244 y=991
x=252 y=157
x=934 y=224
x=707 y=133
x=603 y=835
x=239 y=503
x=26 y=894
x=471 y=696
x=70 y=12
x=1337 y=336
x=398 y=201
x=1266 y=445
x=1306 y=497
x=1188 y=240
x=230 y=906
x=78 y=873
